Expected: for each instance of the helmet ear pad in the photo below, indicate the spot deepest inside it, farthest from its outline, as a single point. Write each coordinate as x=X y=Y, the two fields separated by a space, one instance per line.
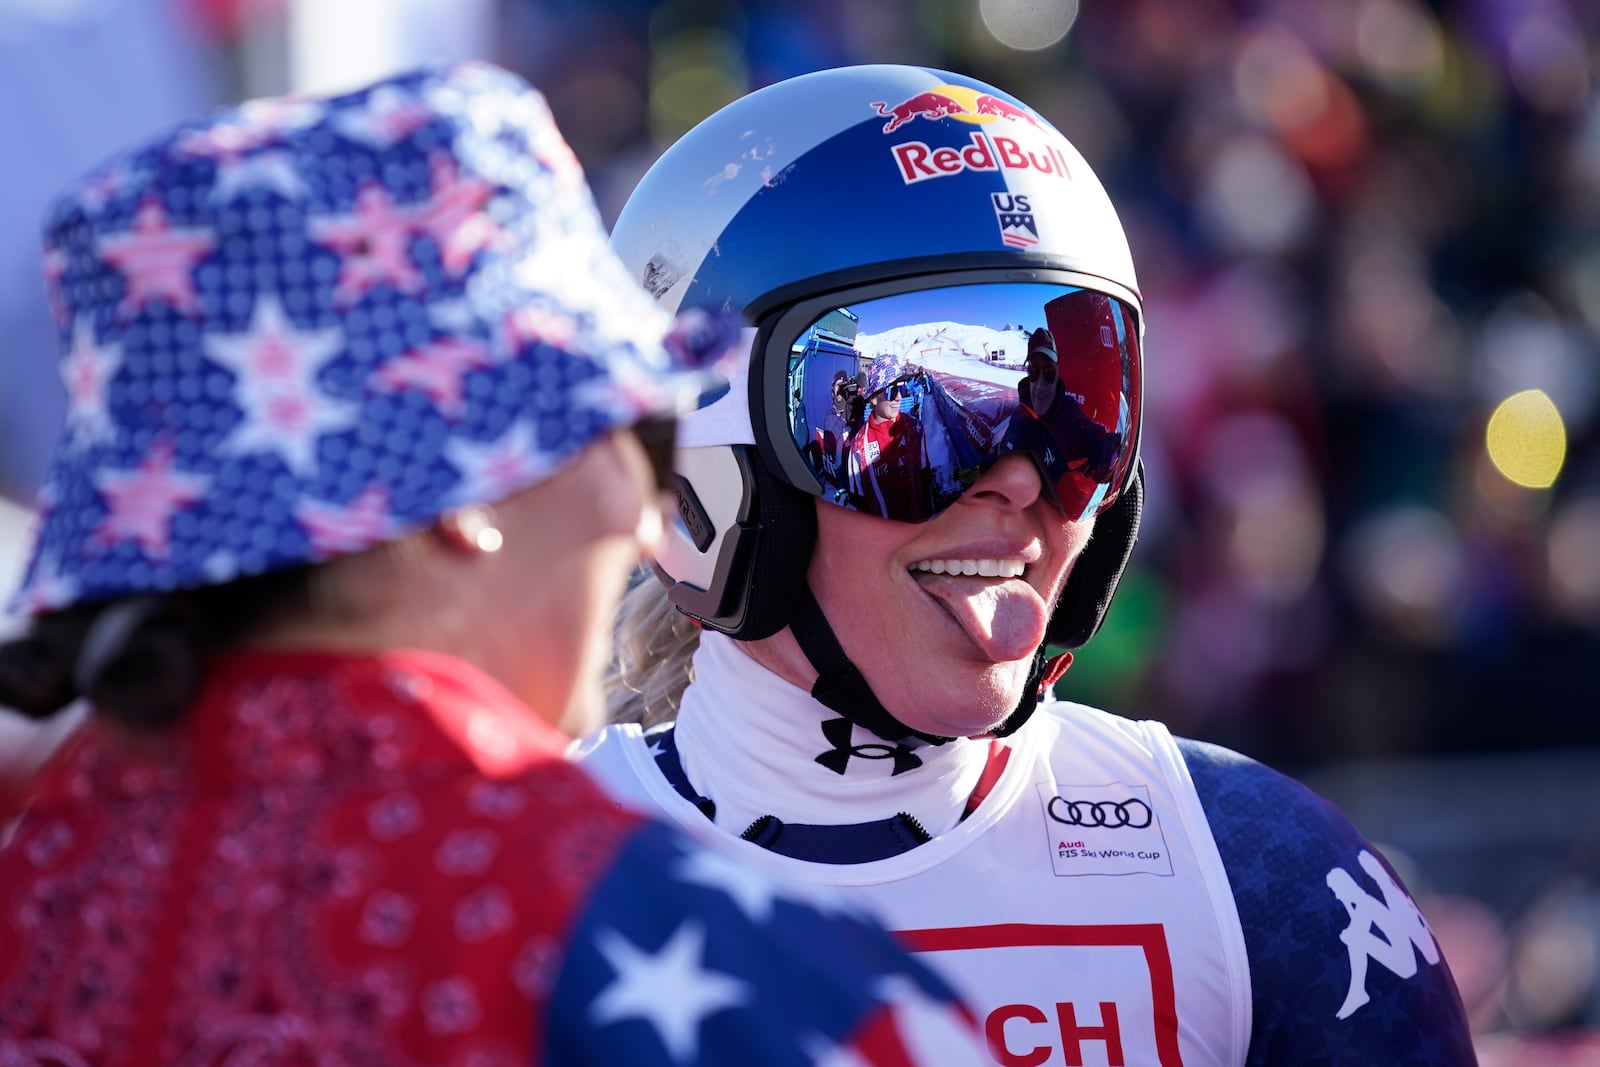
x=785 y=535
x=738 y=530
x=1094 y=577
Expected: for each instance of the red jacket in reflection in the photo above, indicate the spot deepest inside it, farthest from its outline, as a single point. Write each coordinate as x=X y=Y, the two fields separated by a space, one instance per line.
x=888 y=468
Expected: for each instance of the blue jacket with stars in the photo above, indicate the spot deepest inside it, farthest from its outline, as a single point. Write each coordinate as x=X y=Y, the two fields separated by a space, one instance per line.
x=1276 y=838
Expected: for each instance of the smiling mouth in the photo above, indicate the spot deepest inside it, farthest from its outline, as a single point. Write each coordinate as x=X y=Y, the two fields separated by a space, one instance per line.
x=983 y=568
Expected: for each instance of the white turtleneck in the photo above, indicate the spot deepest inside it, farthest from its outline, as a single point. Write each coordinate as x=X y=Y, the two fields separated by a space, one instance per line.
x=749 y=741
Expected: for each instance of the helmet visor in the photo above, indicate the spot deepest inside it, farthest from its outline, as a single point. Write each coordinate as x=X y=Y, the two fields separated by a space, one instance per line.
x=897 y=404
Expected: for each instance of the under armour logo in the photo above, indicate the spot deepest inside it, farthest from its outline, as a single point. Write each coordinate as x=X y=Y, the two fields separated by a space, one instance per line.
x=1399 y=927
x=839 y=731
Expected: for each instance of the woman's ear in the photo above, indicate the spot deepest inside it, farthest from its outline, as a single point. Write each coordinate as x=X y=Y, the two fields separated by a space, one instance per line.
x=471 y=529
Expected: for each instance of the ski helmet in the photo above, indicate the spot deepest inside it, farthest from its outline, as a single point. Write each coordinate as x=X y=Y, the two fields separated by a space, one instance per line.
x=935 y=206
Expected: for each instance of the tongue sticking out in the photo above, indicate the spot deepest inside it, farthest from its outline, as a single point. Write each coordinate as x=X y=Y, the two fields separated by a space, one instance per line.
x=1006 y=619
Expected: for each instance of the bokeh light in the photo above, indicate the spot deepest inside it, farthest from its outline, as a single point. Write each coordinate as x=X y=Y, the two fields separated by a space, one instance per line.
x=1028 y=25
x=695 y=67
x=1527 y=440
x=1271 y=511
x=1558 y=951
x=1574 y=559
x=1399 y=42
x=1407 y=567
x=1281 y=82
x=1256 y=196
x=1548 y=60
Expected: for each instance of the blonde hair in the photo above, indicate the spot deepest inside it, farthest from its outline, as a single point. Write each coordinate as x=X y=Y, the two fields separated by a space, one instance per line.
x=653 y=659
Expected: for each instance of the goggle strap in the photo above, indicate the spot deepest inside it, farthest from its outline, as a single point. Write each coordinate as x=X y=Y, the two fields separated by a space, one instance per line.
x=839 y=684
x=1032 y=690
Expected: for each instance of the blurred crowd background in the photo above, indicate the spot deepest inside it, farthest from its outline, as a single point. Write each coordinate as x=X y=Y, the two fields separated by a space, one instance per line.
x=1368 y=237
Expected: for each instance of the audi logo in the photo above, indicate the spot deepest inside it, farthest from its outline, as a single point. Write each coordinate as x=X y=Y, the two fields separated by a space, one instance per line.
x=1111 y=814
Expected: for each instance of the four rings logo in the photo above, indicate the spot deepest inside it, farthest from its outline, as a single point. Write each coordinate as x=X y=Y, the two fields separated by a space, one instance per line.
x=1111 y=814
x=1112 y=828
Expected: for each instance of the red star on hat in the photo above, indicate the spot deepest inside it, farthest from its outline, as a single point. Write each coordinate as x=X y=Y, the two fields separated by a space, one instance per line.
x=528 y=325
x=156 y=260
x=142 y=501
x=389 y=116
x=55 y=268
x=436 y=369
x=453 y=215
x=259 y=122
x=373 y=245
x=338 y=528
x=48 y=589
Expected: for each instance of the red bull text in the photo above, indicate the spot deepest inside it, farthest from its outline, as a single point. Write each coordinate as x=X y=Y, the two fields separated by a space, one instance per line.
x=919 y=161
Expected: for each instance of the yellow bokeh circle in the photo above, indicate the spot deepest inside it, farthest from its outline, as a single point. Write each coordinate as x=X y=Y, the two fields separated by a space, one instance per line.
x=1527 y=440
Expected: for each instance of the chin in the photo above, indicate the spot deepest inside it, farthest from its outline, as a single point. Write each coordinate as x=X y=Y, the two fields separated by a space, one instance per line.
x=982 y=704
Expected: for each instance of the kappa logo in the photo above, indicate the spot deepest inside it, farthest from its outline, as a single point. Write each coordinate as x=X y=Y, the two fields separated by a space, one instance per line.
x=1391 y=931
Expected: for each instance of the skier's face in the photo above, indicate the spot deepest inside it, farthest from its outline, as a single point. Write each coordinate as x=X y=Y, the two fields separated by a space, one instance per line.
x=947 y=652
x=1040 y=367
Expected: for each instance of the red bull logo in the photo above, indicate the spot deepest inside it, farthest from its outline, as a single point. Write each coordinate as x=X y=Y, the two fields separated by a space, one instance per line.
x=928 y=105
x=952 y=102
x=985 y=150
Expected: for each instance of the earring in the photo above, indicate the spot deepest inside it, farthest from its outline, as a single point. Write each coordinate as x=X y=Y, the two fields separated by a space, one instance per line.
x=650 y=527
x=472 y=528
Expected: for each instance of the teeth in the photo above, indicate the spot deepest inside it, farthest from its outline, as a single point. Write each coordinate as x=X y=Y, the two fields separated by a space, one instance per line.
x=988 y=568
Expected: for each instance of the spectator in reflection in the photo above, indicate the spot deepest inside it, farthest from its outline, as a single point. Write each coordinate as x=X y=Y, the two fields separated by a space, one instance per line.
x=848 y=403
x=825 y=451
x=1060 y=414
x=888 y=453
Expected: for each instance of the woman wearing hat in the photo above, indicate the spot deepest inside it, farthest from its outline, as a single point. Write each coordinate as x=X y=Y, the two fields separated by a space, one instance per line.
x=888 y=453
x=341 y=374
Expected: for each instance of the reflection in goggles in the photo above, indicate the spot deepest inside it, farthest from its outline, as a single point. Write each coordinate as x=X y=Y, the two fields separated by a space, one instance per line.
x=980 y=371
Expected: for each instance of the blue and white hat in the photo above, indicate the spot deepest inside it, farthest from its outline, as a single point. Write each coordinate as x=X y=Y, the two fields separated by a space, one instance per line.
x=304 y=327
x=884 y=372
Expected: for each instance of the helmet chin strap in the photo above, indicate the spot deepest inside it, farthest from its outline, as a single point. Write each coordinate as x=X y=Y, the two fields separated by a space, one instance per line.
x=841 y=687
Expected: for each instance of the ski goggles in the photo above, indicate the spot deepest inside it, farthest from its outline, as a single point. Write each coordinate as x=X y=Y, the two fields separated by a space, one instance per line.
x=966 y=396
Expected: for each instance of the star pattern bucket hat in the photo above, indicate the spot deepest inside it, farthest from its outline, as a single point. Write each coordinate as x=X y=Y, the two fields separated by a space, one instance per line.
x=304 y=327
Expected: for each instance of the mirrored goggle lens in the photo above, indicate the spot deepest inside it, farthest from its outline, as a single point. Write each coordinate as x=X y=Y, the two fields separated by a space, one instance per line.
x=959 y=360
